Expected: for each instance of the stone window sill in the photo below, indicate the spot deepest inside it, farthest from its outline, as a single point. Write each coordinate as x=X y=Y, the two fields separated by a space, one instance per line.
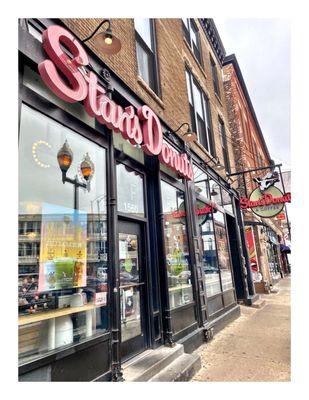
x=146 y=87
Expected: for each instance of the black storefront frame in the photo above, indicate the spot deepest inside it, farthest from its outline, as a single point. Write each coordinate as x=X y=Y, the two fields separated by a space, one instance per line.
x=151 y=168
x=36 y=101
x=222 y=293
x=134 y=165
x=42 y=105
x=243 y=256
x=172 y=315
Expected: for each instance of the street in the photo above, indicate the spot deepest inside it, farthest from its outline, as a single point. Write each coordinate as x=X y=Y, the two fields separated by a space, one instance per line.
x=255 y=347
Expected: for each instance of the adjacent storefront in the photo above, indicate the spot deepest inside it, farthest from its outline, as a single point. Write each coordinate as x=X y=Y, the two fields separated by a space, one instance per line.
x=127 y=241
x=265 y=202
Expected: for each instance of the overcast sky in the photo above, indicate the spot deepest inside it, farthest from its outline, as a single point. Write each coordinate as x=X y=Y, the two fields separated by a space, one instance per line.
x=262 y=48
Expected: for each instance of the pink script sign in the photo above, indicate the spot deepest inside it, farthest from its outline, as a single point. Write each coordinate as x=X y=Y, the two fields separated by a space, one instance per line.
x=143 y=128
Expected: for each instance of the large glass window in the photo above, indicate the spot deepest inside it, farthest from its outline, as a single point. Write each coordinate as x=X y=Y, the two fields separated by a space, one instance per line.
x=200 y=113
x=130 y=191
x=224 y=146
x=214 y=74
x=201 y=182
x=176 y=246
x=145 y=50
x=210 y=261
x=62 y=276
x=227 y=202
x=213 y=233
x=192 y=36
x=223 y=250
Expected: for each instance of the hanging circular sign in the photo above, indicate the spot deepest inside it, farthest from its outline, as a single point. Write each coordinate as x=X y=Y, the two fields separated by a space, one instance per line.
x=266 y=204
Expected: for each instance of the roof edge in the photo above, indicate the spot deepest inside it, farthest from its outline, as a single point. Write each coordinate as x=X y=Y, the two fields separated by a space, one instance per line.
x=231 y=59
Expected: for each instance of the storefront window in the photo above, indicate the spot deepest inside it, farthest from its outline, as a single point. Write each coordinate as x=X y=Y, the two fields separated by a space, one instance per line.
x=176 y=246
x=200 y=182
x=215 y=192
x=130 y=191
x=223 y=251
x=227 y=201
x=132 y=151
x=210 y=262
x=62 y=281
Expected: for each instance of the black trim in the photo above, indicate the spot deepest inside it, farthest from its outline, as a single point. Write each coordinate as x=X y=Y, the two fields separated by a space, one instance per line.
x=59 y=354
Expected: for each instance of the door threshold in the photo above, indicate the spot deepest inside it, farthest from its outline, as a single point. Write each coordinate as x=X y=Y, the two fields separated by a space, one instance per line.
x=136 y=358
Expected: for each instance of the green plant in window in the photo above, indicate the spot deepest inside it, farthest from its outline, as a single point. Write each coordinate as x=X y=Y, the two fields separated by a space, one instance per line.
x=178 y=261
x=128 y=264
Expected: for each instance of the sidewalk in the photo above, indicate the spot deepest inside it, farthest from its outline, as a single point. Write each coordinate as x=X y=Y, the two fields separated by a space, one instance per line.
x=255 y=347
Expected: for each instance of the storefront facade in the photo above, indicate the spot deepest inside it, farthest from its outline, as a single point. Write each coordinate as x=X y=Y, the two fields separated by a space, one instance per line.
x=128 y=240
x=252 y=155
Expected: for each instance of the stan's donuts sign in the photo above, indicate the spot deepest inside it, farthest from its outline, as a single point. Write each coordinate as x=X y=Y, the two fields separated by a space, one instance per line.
x=140 y=127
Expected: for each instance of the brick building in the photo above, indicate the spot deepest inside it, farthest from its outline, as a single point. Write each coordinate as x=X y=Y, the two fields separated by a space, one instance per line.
x=173 y=54
x=251 y=152
x=167 y=262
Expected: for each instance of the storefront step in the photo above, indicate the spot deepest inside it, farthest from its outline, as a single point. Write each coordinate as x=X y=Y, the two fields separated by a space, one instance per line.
x=180 y=370
x=258 y=304
x=145 y=367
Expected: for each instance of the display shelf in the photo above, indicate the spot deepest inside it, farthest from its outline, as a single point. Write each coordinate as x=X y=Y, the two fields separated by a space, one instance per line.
x=32 y=318
x=28 y=273
x=179 y=287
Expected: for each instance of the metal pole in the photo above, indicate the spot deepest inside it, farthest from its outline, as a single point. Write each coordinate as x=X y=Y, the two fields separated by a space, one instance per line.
x=241 y=248
x=255 y=169
x=286 y=211
x=251 y=287
x=114 y=264
x=76 y=202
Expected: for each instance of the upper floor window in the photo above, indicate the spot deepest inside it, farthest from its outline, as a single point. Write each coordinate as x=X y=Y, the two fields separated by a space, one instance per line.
x=192 y=36
x=35 y=28
x=200 y=113
x=145 y=50
x=214 y=74
x=224 y=146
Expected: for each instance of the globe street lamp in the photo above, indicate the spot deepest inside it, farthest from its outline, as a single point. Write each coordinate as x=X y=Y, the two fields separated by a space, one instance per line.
x=65 y=158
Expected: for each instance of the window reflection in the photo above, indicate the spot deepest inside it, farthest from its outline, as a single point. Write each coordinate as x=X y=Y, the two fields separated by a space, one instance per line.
x=129 y=286
x=200 y=182
x=223 y=251
x=227 y=201
x=215 y=192
x=130 y=191
x=210 y=262
x=62 y=263
x=176 y=246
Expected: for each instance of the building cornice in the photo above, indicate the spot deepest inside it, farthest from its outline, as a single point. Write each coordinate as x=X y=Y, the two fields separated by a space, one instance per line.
x=213 y=37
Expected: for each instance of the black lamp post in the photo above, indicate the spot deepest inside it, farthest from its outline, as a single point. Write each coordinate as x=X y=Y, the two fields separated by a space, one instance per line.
x=105 y=41
x=65 y=158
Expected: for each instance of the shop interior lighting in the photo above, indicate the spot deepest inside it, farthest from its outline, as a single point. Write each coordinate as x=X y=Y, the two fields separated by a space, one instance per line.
x=105 y=41
x=34 y=152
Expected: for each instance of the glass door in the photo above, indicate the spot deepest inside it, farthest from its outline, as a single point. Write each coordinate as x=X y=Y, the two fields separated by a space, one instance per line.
x=132 y=289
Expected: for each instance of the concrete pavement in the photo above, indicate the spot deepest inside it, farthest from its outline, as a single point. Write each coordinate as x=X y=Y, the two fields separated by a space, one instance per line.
x=255 y=347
